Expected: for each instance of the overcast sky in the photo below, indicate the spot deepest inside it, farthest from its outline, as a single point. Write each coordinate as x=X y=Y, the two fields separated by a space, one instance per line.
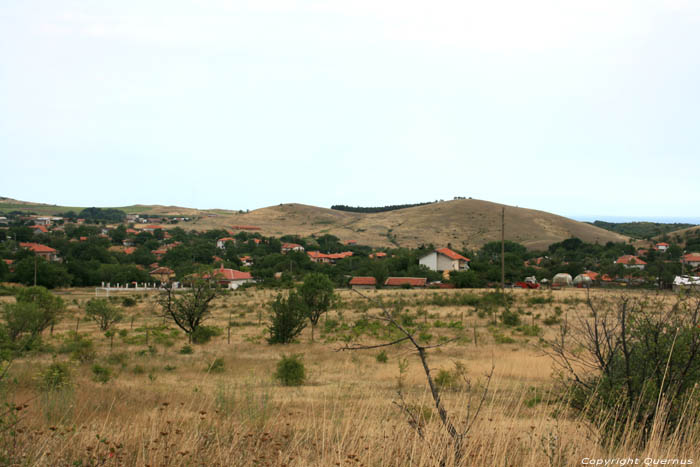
x=582 y=108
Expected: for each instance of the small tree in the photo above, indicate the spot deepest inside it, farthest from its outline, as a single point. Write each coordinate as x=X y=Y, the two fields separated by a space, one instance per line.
x=51 y=305
x=189 y=309
x=288 y=318
x=103 y=313
x=317 y=294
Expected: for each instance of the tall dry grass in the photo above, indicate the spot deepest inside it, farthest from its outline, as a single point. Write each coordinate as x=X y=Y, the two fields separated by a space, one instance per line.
x=343 y=415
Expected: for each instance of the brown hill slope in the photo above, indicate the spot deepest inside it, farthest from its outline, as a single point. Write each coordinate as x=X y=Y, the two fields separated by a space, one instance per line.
x=466 y=223
x=463 y=223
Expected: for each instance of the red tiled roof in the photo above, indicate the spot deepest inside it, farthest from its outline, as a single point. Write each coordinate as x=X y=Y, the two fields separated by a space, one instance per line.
x=451 y=254
x=245 y=258
x=379 y=254
x=83 y=239
x=226 y=239
x=160 y=251
x=230 y=274
x=691 y=257
x=662 y=244
x=9 y=261
x=629 y=259
x=363 y=280
x=412 y=281
x=592 y=275
x=132 y=231
x=291 y=245
x=37 y=248
x=162 y=270
x=319 y=255
x=129 y=250
x=40 y=227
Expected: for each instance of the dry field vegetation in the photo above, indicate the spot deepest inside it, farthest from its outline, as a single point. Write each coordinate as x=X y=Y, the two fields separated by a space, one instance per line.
x=221 y=405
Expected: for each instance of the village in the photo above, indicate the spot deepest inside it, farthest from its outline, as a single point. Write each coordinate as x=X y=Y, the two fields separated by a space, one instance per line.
x=156 y=250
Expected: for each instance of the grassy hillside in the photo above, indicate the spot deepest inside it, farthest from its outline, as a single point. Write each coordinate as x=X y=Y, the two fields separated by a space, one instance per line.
x=464 y=223
x=641 y=229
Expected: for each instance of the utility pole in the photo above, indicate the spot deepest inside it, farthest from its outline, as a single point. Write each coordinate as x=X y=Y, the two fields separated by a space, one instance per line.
x=503 y=249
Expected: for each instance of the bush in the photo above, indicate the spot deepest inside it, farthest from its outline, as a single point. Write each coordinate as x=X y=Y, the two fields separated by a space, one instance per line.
x=646 y=355
x=79 y=346
x=55 y=377
x=288 y=319
x=203 y=334
x=291 y=370
x=217 y=366
x=510 y=318
x=101 y=374
x=128 y=302
x=186 y=350
x=382 y=357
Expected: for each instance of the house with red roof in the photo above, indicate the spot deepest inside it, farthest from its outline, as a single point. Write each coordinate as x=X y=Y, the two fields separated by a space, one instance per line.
x=231 y=278
x=162 y=274
x=39 y=229
x=43 y=251
x=379 y=254
x=246 y=260
x=631 y=261
x=291 y=247
x=363 y=282
x=444 y=259
x=691 y=259
x=331 y=258
x=662 y=246
x=406 y=282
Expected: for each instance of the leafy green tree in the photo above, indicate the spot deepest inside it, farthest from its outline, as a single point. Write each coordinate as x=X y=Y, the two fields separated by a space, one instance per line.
x=118 y=235
x=35 y=310
x=190 y=308
x=48 y=274
x=288 y=318
x=103 y=313
x=318 y=296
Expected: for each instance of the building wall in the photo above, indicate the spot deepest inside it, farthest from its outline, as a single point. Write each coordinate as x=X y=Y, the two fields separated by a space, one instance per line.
x=430 y=261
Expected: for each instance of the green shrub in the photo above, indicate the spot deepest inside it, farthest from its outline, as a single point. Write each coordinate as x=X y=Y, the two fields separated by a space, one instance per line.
x=291 y=370
x=128 y=302
x=445 y=379
x=531 y=330
x=120 y=358
x=382 y=357
x=101 y=374
x=217 y=366
x=510 y=318
x=56 y=376
x=186 y=350
x=79 y=346
x=203 y=334
x=138 y=370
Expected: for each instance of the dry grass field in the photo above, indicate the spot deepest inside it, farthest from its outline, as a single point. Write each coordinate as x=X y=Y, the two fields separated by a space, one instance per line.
x=164 y=407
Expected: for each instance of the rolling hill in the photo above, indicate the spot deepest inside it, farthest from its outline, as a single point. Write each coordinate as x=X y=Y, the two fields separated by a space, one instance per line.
x=463 y=223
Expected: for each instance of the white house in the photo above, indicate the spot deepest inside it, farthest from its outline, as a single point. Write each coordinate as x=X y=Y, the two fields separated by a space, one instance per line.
x=445 y=259
x=221 y=243
x=291 y=247
x=232 y=278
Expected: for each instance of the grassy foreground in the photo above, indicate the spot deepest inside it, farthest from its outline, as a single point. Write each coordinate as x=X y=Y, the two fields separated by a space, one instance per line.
x=160 y=406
